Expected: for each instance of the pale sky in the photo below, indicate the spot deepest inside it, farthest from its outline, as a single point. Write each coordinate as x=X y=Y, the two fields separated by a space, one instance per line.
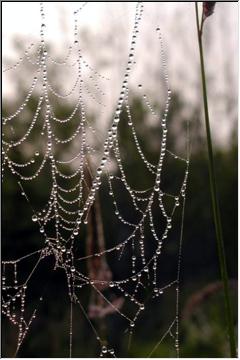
x=177 y=23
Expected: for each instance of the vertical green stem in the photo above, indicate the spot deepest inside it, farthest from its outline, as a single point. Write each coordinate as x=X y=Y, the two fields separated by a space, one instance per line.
x=215 y=203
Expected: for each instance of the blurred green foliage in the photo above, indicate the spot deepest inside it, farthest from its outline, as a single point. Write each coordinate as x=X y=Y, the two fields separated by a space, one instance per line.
x=203 y=334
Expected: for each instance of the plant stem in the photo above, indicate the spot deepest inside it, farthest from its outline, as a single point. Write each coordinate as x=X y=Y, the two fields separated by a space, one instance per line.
x=214 y=198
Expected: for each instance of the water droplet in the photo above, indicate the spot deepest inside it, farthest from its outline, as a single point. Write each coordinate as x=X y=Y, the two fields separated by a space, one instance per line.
x=104 y=350
x=34 y=218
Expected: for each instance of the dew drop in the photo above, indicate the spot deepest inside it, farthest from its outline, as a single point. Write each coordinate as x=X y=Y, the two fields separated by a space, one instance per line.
x=34 y=218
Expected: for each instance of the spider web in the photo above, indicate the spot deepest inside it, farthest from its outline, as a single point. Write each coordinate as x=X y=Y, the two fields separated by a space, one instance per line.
x=74 y=185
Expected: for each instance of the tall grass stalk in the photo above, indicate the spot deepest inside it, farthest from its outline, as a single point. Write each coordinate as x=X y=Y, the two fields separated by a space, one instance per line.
x=214 y=198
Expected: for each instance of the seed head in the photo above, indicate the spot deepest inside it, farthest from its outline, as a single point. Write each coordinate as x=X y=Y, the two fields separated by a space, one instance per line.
x=208 y=8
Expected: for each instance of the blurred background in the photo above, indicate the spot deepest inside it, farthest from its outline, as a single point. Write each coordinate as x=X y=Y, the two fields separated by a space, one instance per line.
x=104 y=37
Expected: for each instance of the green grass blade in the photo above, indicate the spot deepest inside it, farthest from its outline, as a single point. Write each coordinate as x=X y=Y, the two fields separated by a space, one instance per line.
x=214 y=198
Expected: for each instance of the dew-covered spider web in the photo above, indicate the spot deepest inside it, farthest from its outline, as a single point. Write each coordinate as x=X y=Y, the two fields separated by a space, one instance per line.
x=75 y=166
